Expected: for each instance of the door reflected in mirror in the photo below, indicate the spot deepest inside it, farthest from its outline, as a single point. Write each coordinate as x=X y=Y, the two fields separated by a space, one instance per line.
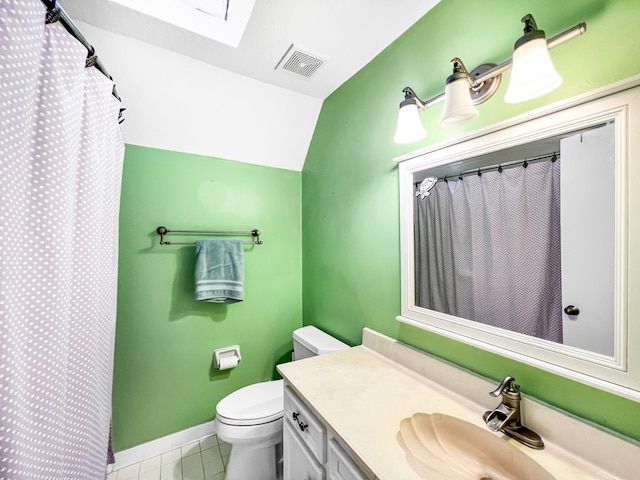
x=523 y=238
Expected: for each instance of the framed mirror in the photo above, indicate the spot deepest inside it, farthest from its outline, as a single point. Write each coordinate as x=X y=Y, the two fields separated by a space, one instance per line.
x=519 y=239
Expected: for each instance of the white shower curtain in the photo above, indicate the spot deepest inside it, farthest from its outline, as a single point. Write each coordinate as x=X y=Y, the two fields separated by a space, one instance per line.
x=61 y=157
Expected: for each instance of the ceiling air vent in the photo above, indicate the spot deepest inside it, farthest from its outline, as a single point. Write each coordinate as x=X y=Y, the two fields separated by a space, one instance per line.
x=299 y=62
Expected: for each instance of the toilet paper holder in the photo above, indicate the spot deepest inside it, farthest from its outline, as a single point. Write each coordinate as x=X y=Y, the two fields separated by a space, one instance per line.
x=227 y=357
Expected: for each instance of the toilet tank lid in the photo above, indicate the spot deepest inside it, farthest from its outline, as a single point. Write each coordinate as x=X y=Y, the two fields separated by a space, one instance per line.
x=318 y=341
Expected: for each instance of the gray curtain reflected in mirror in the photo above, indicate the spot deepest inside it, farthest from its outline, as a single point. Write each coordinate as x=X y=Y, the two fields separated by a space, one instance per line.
x=488 y=248
x=524 y=244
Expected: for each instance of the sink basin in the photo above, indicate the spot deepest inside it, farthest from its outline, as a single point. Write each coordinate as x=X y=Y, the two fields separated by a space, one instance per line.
x=440 y=446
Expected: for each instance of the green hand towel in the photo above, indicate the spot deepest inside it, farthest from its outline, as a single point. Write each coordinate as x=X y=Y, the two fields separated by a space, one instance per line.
x=219 y=271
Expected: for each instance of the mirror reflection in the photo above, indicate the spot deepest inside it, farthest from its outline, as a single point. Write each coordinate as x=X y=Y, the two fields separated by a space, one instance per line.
x=523 y=239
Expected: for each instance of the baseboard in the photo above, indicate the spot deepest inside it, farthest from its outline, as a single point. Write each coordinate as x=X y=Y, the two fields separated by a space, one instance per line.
x=160 y=445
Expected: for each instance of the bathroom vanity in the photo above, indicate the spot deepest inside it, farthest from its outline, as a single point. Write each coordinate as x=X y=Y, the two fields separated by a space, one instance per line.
x=311 y=450
x=343 y=413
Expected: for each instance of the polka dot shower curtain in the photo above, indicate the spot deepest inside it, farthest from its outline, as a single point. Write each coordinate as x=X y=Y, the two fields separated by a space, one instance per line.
x=61 y=157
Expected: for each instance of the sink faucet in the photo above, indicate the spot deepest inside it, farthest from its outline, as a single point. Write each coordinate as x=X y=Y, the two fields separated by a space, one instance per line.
x=506 y=416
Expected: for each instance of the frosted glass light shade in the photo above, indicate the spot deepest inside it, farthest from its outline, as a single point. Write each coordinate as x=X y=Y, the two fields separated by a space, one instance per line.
x=458 y=108
x=532 y=73
x=409 y=127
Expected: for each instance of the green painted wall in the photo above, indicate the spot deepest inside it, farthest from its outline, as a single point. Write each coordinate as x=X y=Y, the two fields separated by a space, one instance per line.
x=351 y=265
x=163 y=380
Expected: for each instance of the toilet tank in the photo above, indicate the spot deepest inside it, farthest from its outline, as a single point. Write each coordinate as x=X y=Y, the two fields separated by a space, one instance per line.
x=310 y=341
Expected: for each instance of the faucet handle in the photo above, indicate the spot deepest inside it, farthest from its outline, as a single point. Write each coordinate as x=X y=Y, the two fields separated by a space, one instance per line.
x=507 y=384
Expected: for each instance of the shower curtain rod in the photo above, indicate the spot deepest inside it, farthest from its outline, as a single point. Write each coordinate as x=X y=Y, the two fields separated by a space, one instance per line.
x=55 y=13
x=478 y=171
x=500 y=166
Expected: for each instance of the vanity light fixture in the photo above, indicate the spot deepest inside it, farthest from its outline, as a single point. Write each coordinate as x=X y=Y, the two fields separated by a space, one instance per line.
x=533 y=75
x=458 y=107
x=409 y=127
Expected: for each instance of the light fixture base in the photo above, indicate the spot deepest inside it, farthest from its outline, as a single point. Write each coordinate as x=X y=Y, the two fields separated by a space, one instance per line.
x=485 y=90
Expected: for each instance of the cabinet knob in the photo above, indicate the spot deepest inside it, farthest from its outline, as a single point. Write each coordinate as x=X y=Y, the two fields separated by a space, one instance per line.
x=571 y=310
x=302 y=425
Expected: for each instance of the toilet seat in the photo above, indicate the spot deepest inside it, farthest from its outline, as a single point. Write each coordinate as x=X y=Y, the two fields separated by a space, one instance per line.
x=253 y=405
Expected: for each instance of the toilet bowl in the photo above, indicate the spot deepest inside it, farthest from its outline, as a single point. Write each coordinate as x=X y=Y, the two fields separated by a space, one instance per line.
x=250 y=419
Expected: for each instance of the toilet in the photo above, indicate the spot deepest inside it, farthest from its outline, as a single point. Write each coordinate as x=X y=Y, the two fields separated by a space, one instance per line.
x=250 y=419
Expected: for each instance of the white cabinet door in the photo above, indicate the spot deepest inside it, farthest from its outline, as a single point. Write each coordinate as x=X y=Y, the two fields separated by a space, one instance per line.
x=305 y=424
x=341 y=467
x=299 y=464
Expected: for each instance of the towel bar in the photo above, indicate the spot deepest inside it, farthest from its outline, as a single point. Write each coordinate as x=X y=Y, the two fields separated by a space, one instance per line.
x=162 y=231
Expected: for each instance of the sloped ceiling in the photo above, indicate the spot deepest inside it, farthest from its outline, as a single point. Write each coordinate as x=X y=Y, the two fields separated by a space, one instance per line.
x=346 y=34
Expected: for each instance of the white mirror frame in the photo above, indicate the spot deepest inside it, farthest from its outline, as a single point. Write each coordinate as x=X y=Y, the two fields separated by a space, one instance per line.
x=618 y=374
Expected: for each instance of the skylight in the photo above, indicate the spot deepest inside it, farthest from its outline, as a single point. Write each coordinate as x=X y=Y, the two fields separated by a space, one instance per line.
x=222 y=20
x=215 y=8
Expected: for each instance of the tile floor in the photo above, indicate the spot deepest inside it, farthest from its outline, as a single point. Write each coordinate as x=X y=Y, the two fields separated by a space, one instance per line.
x=201 y=460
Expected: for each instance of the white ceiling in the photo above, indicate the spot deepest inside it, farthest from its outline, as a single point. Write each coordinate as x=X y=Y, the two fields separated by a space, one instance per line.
x=347 y=34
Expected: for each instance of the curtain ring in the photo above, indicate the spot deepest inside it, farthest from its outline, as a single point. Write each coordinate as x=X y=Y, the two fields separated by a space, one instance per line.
x=90 y=61
x=53 y=15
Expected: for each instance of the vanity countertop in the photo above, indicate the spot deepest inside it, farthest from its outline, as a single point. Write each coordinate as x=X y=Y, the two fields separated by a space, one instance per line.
x=362 y=396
